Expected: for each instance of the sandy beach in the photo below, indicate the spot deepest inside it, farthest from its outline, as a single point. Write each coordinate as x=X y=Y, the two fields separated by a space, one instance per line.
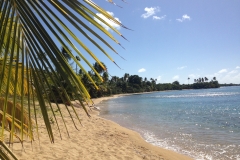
x=95 y=139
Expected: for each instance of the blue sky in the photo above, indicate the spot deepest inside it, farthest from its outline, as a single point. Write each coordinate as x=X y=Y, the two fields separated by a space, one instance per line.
x=174 y=40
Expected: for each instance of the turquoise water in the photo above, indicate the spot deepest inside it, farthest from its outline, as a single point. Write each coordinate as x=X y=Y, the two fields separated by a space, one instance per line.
x=204 y=124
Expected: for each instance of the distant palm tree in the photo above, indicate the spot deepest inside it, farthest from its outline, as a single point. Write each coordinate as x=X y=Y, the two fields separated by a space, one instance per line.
x=41 y=58
x=78 y=59
x=114 y=79
x=100 y=68
x=214 y=78
x=126 y=76
x=66 y=53
x=206 y=79
x=188 y=80
x=145 y=79
x=29 y=28
x=105 y=76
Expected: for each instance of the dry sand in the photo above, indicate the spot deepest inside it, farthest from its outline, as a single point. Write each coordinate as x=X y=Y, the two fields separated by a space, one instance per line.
x=97 y=139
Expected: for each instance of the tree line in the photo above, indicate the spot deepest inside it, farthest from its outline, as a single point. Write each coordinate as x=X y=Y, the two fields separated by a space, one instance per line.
x=135 y=84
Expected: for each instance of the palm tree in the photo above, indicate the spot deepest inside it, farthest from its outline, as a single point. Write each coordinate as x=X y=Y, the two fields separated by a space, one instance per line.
x=206 y=79
x=41 y=56
x=28 y=28
x=105 y=76
x=66 y=53
x=78 y=59
x=99 y=68
x=125 y=77
x=188 y=80
x=145 y=79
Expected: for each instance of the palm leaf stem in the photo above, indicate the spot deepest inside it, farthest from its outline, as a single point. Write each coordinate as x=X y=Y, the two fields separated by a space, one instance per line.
x=43 y=109
x=62 y=97
x=76 y=9
x=16 y=75
x=1 y=44
x=28 y=95
x=44 y=90
x=4 y=18
x=56 y=83
x=63 y=44
x=15 y=84
x=97 y=24
x=74 y=5
x=34 y=106
x=84 y=33
x=70 y=32
x=2 y=144
x=22 y=80
x=7 y=86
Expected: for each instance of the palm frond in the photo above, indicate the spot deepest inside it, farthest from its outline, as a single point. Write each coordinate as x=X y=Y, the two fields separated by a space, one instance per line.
x=31 y=29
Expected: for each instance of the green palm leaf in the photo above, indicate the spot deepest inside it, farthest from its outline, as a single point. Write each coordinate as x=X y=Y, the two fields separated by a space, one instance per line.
x=27 y=30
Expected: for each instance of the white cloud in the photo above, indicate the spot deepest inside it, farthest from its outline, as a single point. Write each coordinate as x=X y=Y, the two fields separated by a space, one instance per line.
x=229 y=78
x=176 y=77
x=224 y=77
x=159 y=18
x=193 y=76
x=184 y=17
x=237 y=67
x=116 y=26
x=180 y=68
x=222 y=71
x=233 y=72
x=150 y=11
x=142 y=70
x=159 y=78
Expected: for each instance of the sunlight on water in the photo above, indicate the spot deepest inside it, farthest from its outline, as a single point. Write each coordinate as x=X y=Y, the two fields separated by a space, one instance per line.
x=204 y=124
x=196 y=95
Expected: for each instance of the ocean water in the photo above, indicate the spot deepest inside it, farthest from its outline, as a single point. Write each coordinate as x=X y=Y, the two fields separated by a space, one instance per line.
x=204 y=124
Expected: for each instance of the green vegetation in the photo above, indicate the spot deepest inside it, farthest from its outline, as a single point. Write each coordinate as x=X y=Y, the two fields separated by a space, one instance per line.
x=228 y=85
x=135 y=84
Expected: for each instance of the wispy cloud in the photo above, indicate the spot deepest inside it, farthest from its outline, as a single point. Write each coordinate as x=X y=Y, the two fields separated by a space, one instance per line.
x=222 y=71
x=142 y=70
x=184 y=17
x=116 y=26
x=180 y=68
x=176 y=77
x=159 y=18
x=233 y=72
x=150 y=11
x=237 y=67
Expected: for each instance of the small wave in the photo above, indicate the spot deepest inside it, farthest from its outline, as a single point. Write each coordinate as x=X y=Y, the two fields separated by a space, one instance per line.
x=166 y=143
x=217 y=151
x=196 y=95
x=151 y=138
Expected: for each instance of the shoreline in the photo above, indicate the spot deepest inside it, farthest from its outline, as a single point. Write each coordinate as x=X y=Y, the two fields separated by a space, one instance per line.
x=97 y=138
x=162 y=150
